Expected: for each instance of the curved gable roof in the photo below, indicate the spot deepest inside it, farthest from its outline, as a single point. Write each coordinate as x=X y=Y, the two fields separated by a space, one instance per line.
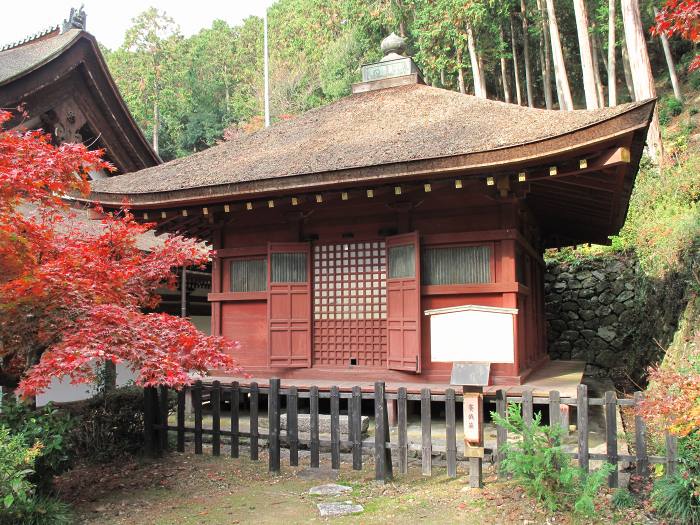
x=29 y=67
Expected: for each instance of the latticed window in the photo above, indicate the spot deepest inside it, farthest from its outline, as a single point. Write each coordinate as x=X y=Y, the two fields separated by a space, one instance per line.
x=456 y=265
x=402 y=261
x=288 y=267
x=249 y=275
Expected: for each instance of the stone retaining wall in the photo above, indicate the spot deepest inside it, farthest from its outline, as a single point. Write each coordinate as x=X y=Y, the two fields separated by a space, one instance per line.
x=592 y=311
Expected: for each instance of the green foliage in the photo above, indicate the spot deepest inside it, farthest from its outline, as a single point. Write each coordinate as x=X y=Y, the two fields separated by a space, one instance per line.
x=678 y=496
x=109 y=425
x=664 y=217
x=539 y=463
x=16 y=465
x=40 y=510
x=623 y=499
x=669 y=107
x=19 y=502
x=47 y=426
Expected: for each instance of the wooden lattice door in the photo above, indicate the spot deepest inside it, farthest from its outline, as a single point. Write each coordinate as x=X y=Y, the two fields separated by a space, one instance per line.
x=350 y=304
x=289 y=305
x=403 y=300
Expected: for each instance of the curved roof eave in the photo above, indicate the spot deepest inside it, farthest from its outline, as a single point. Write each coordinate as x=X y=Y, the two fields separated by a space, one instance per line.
x=634 y=118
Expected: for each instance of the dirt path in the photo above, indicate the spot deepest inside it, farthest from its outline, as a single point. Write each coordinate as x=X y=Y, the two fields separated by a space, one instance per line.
x=185 y=489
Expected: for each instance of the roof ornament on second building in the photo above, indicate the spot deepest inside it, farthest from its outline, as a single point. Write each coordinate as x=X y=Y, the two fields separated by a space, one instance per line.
x=393 y=47
x=394 y=64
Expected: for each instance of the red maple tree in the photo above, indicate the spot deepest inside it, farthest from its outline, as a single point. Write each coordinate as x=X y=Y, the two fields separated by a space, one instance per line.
x=71 y=296
x=682 y=18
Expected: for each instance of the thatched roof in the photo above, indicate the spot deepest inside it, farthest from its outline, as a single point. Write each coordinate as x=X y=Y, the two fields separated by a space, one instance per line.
x=26 y=57
x=376 y=128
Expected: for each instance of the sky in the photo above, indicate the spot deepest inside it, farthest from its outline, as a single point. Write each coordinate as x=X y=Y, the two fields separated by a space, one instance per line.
x=108 y=20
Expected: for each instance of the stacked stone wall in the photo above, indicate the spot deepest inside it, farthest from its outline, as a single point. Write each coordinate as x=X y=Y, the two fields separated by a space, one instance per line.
x=592 y=311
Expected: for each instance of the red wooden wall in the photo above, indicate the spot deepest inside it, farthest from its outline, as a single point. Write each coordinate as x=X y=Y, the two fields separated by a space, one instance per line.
x=456 y=218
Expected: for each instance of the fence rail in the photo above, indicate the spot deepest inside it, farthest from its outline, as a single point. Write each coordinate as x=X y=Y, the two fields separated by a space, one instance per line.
x=157 y=427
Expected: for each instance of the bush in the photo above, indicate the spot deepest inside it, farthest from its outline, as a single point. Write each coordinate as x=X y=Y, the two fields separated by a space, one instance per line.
x=539 y=463
x=47 y=426
x=110 y=424
x=678 y=496
x=19 y=502
x=669 y=107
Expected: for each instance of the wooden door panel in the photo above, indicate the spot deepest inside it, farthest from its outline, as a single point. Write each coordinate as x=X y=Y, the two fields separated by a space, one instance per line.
x=289 y=310
x=403 y=303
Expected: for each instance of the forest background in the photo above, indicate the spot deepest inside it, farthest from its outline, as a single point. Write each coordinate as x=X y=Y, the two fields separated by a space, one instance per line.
x=189 y=93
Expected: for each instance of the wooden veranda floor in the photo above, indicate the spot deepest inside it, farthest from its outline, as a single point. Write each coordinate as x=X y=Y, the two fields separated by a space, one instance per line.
x=563 y=376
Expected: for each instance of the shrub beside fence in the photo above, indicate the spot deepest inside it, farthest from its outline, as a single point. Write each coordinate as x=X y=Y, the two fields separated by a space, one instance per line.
x=156 y=414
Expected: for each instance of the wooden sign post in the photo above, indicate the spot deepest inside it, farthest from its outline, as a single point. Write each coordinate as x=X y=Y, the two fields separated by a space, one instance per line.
x=473 y=414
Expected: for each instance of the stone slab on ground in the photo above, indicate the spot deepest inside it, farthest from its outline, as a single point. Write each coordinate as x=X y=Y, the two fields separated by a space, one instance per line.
x=324 y=423
x=329 y=510
x=329 y=489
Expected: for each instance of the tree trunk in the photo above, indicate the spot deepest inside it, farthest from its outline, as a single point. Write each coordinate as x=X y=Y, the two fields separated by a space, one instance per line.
x=482 y=76
x=526 y=55
x=460 y=72
x=584 y=44
x=669 y=62
x=504 y=68
x=596 y=68
x=156 y=118
x=547 y=60
x=516 y=71
x=563 y=90
x=640 y=66
x=474 y=59
x=627 y=70
x=442 y=78
x=612 y=73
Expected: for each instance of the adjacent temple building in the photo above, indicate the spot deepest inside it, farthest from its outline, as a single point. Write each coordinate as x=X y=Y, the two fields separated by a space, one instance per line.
x=336 y=231
x=61 y=81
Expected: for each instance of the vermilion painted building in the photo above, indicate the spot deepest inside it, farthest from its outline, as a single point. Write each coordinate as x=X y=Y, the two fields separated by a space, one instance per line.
x=336 y=230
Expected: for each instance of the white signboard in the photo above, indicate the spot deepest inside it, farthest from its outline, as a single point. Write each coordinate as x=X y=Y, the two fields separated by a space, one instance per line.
x=477 y=334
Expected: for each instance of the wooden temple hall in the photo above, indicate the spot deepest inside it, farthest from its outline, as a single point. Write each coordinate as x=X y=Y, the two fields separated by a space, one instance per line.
x=336 y=231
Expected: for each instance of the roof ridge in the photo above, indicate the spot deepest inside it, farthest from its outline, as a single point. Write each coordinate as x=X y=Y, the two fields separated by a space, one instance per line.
x=31 y=38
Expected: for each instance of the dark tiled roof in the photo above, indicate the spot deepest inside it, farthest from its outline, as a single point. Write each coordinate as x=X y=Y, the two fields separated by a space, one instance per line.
x=19 y=60
x=379 y=127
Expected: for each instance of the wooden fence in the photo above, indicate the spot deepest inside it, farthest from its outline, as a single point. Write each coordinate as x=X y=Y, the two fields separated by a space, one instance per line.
x=157 y=408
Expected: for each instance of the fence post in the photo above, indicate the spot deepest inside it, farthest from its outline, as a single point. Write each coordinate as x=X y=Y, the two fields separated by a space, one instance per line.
x=426 y=433
x=671 y=453
x=501 y=432
x=640 y=438
x=582 y=426
x=181 y=397
x=382 y=455
x=451 y=432
x=293 y=425
x=216 y=418
x=356 y=402
x=335 y=428
x=554 y=412
x=163 y=409
x=313 y=426
x=528 y=409
x=235 y=421
x=611 y=435
x=254 y=399
x=273 y=414
x=402 y=407
x=150 y=401
x=197 y=407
